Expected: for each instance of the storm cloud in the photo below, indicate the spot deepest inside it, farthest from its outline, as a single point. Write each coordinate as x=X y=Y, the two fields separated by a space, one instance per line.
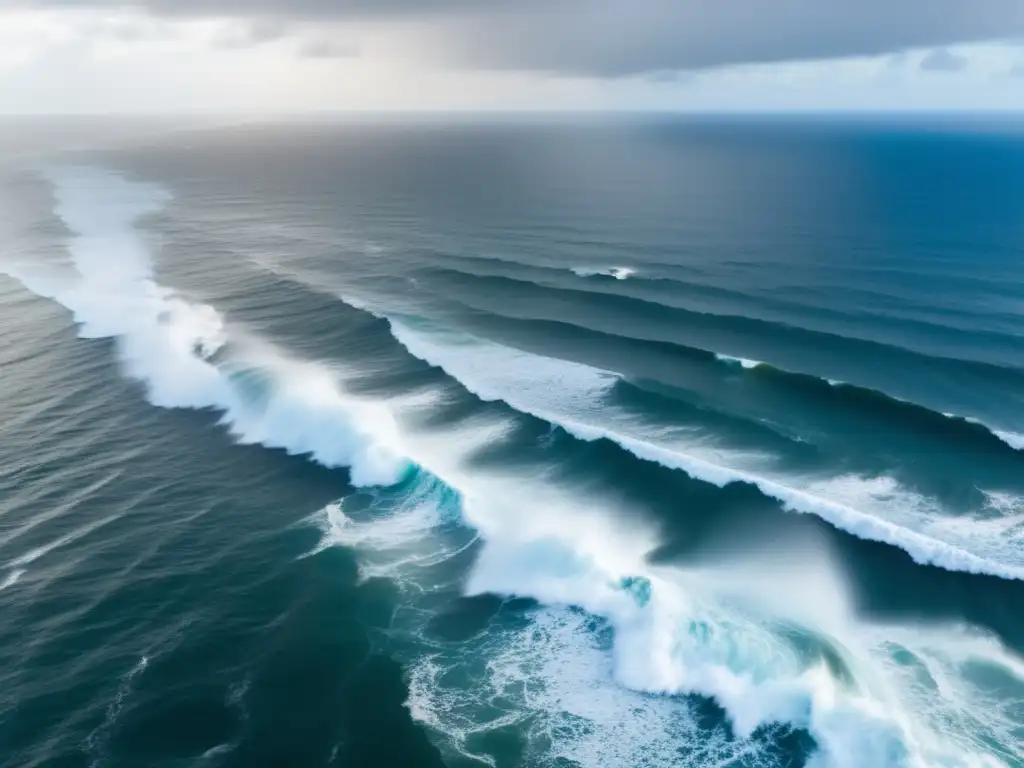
x=612 y=38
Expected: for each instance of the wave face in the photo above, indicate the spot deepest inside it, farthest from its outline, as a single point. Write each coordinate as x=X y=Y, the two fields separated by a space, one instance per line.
x=180 y=350
x=340 y=458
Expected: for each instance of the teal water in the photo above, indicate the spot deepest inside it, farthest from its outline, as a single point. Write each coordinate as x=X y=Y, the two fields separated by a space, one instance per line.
x=635 y=443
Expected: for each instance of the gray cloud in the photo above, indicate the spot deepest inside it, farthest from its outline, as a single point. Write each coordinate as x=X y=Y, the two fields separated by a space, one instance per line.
x=328 y=48
x=250 y=33
x=662 y=76
x=132 y=30
x=626 y=37
x=943 y=60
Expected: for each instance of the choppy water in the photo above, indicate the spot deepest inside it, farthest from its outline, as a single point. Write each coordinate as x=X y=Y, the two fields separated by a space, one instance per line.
x=625 y=444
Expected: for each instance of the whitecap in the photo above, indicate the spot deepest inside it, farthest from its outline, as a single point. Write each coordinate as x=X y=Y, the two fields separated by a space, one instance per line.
x=619 y=273
x=740 y=361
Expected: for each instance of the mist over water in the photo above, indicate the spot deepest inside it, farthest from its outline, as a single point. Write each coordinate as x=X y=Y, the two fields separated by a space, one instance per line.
x=515 y=446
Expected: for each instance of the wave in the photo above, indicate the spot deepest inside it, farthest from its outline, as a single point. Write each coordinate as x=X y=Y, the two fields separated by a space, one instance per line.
x=570 y=396
x=1012 y=439
x=875 y=399
x=835 y=348
x=619 y=273
x=707 y=333
x=181 y=351
x=846 y=397
x=692 y=287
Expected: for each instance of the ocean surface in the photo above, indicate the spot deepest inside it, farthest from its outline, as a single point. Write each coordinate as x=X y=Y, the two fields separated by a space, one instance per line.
x=565 y=443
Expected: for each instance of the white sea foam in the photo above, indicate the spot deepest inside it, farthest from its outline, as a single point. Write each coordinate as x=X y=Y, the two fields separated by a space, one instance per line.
x=554 y=680
x=397 y=534
x=619 y=273
x=570 y=395
x=740 y=361
x=171 y=345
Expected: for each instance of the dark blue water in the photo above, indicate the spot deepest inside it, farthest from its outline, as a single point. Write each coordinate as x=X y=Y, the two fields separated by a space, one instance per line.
x=642 y=442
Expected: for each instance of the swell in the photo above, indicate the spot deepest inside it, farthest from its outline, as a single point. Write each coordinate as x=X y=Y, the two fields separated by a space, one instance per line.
x=665 y=282
x=879 y=404
x=754 y=327
x=683 y=292
x=822 y=392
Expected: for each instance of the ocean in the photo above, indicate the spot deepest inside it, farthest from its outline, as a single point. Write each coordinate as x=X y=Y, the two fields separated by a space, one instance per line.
x=467 y=441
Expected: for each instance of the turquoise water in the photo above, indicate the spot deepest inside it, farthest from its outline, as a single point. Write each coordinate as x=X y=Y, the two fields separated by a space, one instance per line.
x=636 y=443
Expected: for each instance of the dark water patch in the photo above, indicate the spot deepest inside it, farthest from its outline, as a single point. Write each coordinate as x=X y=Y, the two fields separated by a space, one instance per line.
x=172 y=726
x=383 y=733
x=465 y=617
x=379 y=598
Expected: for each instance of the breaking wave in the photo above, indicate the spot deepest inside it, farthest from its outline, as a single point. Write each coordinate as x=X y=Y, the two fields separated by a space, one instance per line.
x=181 y=350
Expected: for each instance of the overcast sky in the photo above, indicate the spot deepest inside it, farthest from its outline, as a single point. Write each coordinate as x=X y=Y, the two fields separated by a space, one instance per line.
x=84 y=56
